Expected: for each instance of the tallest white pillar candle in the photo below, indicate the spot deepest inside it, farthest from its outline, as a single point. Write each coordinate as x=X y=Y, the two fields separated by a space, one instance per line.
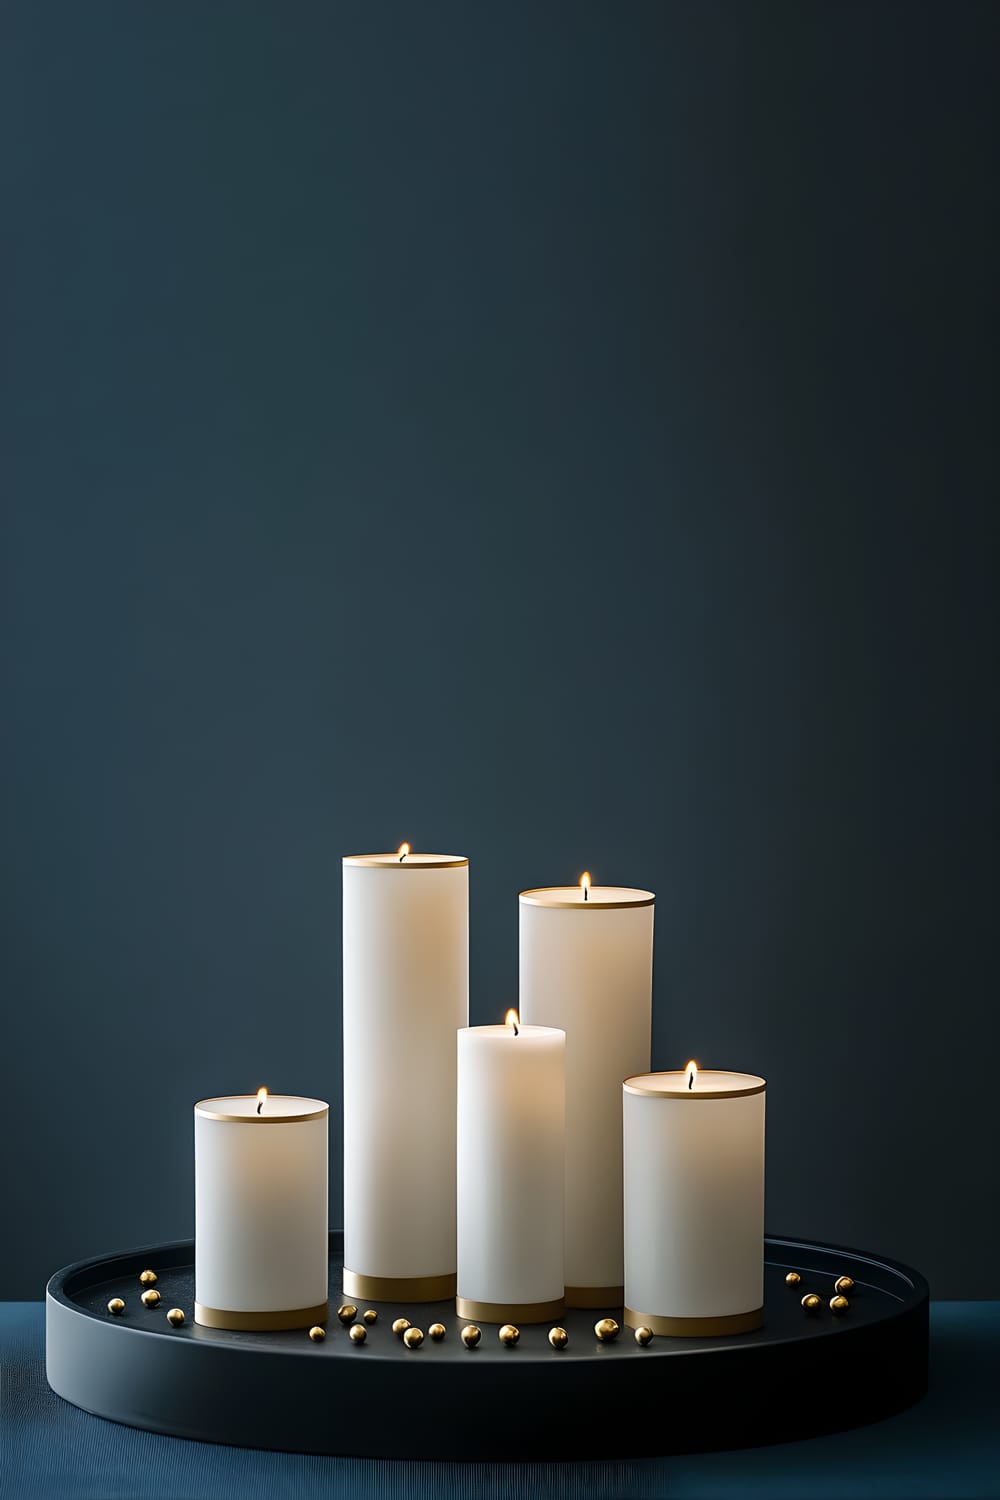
x=406 y=993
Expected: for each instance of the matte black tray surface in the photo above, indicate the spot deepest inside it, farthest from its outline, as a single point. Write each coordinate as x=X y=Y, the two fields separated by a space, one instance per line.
x=796 y=1377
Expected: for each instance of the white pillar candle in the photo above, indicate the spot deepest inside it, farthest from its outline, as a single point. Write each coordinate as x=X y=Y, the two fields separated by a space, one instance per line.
x=511 y=1129
x=261 y=1246
x=587 y=967
x=406 y=993
x=694 y=1202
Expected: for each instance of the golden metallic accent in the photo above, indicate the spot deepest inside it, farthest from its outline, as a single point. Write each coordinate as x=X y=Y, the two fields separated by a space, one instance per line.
x=471 y=1335
x=595 y=1296
x=260 y=1322
x=558 y=1338
x=150 y=1298
x=147 y=1278
x=696 y=1328
x=844 y=1284
x=393 y=862
x=317 y=1334
x=175 y=1317
x=793 y=1278
x=347 y=1312
x=839 y=1304
x=683 y=1092
x=643 y=1336
x=592 y=903
x=413 y=1338
x=358 y=1333
x=509 y=1335
x=437 y=1332
x=400 y=1326
x=399 y=1288
x=502 y=1312
x=606 y=1329
x=256 y=1119
x=811 y=1302
x=370 y=1315
x=116 y=1306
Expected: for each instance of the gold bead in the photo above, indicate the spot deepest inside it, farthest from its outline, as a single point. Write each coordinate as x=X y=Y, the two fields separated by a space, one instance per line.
x=606 y=1330
x=370 y=1315
x=400 y=1326
x=844 y=1284
x=413 y=1338
x=811 y=1302
x=793 y=1278
x=175 y=1317
x=148 y=1278
x=317 y=1334
x=509 y=1335
x=471 y=1335
x=839 y=1304
x=347 y=1312
x=358 y=1333
x=116 y=1306
x=150 y=1298
x=558 y=1338
x=643 y=1336
x=437 y=1332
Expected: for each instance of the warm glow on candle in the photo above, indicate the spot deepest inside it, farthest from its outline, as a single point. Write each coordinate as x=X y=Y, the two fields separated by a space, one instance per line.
x=691 y=1073
x=513 y=1020
x=585 y=884
x=261 y=1099
x=403 y=851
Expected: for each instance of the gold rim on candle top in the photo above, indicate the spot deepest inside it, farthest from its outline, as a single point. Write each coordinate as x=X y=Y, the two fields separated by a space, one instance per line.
x=416 y=861
x=754 y=1086
x=261 y=1322
x=542 y=896
x=263 y=1119
x=509 y=1312
x=595 y=1296
x=695 y=1328
x=400 y=1288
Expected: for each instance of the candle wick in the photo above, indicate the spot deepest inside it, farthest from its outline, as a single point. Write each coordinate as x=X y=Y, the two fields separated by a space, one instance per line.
x=690 y=1080
x=401 y=858
x=586 y=893
x=260 y=1105
x=514 y=1024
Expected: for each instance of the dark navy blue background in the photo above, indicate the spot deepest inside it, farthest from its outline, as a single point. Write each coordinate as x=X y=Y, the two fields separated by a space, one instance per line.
x=558 y=433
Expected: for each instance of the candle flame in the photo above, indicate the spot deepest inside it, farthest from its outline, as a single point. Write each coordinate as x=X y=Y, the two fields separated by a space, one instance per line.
x=691 y=1073
x=261 y=1099
x=403 y=851
x=585 y=884
x=513 y=1019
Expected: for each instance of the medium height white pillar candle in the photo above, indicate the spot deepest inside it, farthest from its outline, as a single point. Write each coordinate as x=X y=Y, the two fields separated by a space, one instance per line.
x=406 y=993
x=694 y=1202
x=261 y=1237
x=511 y=1133
x=586 y=958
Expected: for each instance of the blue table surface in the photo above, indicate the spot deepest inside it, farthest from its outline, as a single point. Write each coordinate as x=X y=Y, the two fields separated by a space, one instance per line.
x=947 y=1446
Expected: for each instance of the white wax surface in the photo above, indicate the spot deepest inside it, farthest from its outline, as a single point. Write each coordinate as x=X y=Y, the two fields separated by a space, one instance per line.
x=261 y=1220
x=599 y=895
x=588 y=969
x=511 y=1131
x=406 y=993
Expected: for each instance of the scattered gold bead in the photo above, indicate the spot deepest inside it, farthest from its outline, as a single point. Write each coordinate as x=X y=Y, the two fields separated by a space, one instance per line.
x=509 y=1335
x=175 y=1317
x=437 y=1332
x=811 y=1302
x=370 y=1315
x=643 y=1336
x=413 y=1338
x=400 y=1326
x=150 y=1298
x=606 y=1330
x=844 y=1284
x=471 y=1335
x=793 y=1278
x=116 y=1306
x=148 y=1278
x=317 y=1334
x=558 y=1338
x=358 y=1333
x=839 y=1304
x=347 y=1312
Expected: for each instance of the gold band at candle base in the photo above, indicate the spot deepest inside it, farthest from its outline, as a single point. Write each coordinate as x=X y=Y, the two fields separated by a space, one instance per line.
x=400 y=1288
x=261 y=1322
x=509 y=1312
x=696 y=1328
x=595 y=1296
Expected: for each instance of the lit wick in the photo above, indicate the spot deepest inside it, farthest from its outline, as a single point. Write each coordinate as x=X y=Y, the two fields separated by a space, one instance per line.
x=404 y=850
x=261 y=1097
x=585 y=884
x=692 y=1073
x=512 y=1019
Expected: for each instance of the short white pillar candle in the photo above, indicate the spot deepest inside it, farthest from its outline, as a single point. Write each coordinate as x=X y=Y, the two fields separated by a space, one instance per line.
x=694 y=1202
x=511 y=1127
x=261 y=1249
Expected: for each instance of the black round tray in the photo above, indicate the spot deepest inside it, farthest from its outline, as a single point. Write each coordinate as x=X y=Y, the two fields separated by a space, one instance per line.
x=798 y=1376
